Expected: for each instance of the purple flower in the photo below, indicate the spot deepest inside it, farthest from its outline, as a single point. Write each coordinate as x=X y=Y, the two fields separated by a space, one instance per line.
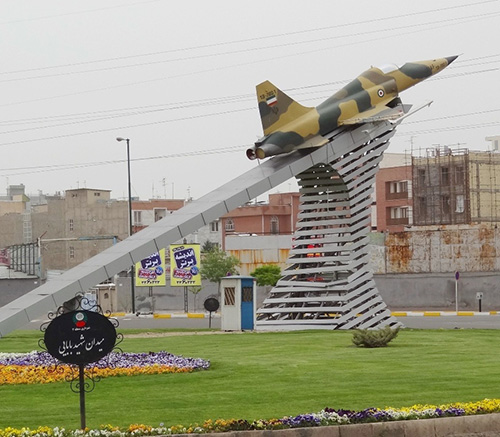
x=114 y=359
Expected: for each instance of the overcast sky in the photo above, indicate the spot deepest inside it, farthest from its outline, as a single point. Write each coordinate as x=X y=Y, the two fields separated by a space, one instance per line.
x=178 y=79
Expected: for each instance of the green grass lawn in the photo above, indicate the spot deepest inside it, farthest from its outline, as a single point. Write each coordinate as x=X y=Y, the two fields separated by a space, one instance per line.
x=265 y=375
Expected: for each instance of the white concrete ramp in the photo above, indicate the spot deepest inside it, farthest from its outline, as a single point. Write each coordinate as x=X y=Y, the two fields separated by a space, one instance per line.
x=175 y=226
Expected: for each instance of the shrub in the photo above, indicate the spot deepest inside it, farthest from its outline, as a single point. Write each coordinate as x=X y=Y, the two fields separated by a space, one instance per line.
x=374 y=337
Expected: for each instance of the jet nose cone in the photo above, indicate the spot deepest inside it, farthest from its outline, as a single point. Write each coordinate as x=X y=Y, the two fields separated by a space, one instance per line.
x=451 y=59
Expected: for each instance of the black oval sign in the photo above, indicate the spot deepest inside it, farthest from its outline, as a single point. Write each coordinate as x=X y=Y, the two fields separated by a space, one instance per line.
x=211 y=304
x=80 y=337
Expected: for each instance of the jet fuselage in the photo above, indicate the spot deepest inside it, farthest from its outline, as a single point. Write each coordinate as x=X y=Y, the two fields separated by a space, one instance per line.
x=372 y=96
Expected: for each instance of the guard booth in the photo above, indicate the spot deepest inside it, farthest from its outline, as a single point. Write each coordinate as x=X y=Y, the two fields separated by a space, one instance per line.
x=237 y=303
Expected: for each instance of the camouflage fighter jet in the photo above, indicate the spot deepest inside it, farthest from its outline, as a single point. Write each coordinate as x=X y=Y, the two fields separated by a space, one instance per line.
x=373 y=96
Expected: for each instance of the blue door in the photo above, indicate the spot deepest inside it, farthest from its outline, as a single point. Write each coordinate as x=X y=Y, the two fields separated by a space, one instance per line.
x=247 y=312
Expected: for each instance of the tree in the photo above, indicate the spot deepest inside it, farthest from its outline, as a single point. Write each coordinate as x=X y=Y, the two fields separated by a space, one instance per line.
x=195 y=290
x=267 y=274
x=216 y=264
x=208 y=246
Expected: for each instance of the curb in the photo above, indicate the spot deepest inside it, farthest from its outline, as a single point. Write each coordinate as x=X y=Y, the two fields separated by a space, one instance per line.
x=479 y=425
x=168 y=315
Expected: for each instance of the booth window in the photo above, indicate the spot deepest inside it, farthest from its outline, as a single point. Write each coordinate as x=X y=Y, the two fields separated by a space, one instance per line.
x=247 y=294
x=229 y=295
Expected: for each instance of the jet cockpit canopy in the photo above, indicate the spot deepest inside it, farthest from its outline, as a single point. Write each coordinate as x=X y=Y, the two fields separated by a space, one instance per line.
x=388 y=68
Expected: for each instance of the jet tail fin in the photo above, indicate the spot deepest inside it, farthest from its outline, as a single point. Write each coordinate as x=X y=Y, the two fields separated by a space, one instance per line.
x=277 y=108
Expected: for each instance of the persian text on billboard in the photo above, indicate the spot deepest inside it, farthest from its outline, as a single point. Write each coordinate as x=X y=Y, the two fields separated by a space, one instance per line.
x=185 y=266
x=150 y=272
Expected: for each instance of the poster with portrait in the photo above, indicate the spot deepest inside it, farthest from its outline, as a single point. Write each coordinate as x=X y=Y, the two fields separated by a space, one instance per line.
x=185 y=265
x=150 y=272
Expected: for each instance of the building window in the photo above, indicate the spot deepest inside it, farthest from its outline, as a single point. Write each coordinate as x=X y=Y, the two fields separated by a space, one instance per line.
x=96 y=194
x=71 y=225
x=160 y=213
x=445 y=176
x=71 y=252
x=138 y=218
x=445 y=204
x=399 y=215
x=422 y=206
x=214 y=226
x=396 y=190
x=275 y=228
x=460 y=204
x=229 y=225
x=421 y=176
x=459 y=175
x=398 y=186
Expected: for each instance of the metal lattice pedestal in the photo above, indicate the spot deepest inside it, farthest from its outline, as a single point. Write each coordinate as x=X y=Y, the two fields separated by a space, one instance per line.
x=327 y=284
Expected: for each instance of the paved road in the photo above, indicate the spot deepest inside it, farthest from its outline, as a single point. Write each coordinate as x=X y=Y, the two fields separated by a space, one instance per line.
x=417 y=322
x=451 y=322
x=133 y=322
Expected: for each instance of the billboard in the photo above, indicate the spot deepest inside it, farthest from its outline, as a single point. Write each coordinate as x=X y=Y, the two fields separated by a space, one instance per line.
x=185 y=265
x=150 y=272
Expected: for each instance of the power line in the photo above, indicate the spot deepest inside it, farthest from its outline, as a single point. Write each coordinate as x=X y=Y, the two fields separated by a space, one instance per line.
x=231 y=149
x=449 y=128
x=274 y=58
x=240 y=41
x=256 y=49
x=207 y=102
x=75 y=134
x=59 y=167
x=146 y=109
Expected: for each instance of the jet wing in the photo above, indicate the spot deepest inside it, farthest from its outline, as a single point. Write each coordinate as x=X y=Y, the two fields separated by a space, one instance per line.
x=316 y=141
x=380 y=112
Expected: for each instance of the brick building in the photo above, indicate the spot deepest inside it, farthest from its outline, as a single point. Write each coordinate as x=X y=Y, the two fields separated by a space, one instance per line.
x=146 y=212
x=278 y=217
x=393 y=204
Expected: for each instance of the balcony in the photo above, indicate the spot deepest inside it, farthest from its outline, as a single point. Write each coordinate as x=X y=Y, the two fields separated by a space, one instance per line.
x=396 y=196
x=398 y=221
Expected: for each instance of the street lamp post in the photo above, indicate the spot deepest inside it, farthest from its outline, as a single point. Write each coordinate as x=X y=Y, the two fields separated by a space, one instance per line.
x=130 y=230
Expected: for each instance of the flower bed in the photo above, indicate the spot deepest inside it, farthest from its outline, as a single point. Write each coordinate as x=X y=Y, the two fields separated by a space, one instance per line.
x=325 y=417
x=39 y=367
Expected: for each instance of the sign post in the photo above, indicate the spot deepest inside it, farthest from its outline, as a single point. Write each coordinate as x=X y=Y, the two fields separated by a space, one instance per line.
x=211 y=304
x=479 y=297
x=80 y=337
x=81 y=383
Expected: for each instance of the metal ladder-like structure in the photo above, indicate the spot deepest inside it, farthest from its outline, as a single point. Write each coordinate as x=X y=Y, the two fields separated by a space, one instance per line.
x=347 y=276
x=328 y=283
